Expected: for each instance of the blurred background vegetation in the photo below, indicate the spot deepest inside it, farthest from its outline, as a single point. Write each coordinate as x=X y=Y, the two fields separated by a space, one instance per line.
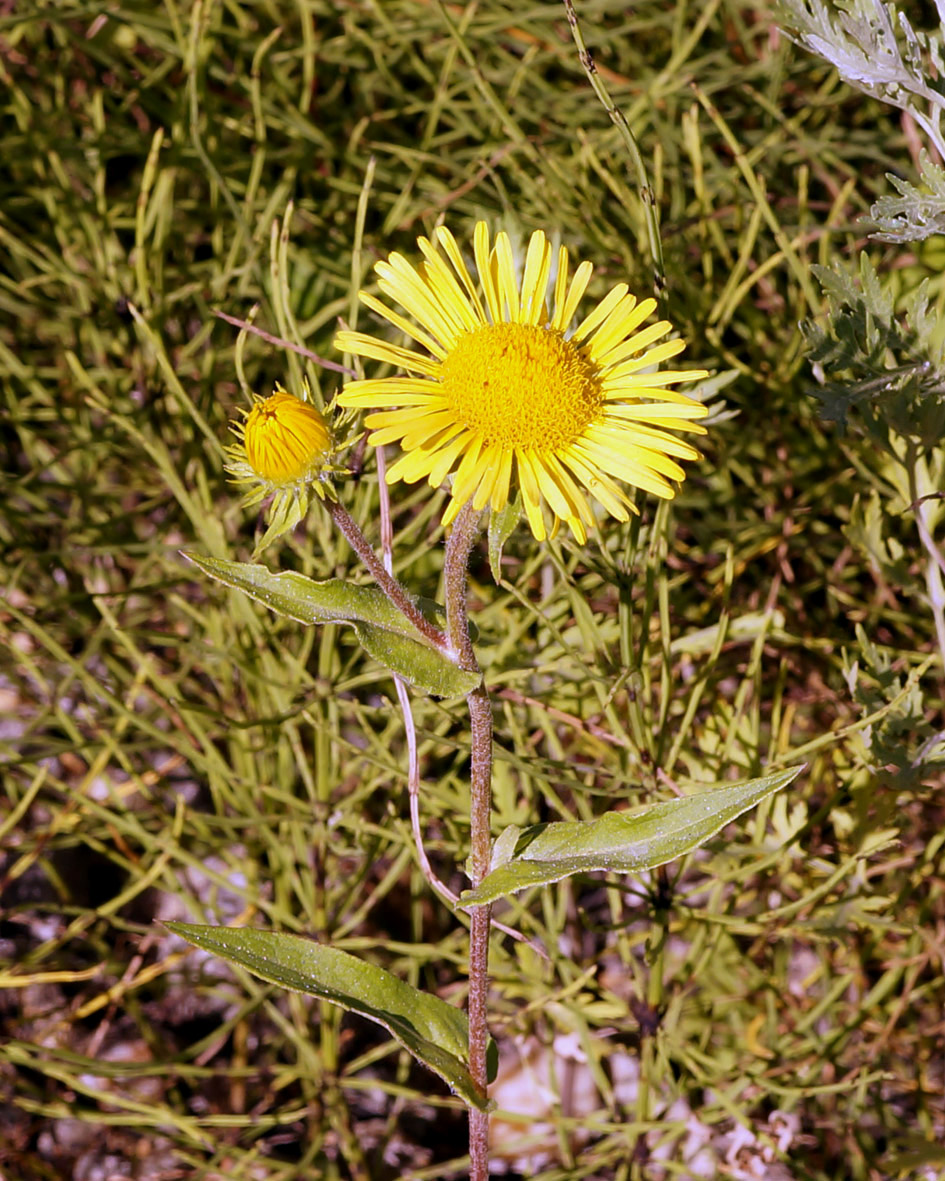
x=771 y=1007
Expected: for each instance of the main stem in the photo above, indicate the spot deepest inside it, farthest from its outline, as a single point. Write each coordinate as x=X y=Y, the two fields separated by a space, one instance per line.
x=463 y=535
x=388 y=584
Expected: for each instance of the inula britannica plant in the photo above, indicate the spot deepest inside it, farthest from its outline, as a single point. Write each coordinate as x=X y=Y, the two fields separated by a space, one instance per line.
x=519 y=397
x=458 y=460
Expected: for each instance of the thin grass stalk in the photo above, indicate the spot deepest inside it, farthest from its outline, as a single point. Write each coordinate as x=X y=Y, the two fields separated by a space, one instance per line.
x=644 y=188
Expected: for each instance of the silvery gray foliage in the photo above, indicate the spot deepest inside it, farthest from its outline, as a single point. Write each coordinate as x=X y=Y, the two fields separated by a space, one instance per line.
x=875 y=48
x=891 y=369
x=918 y=212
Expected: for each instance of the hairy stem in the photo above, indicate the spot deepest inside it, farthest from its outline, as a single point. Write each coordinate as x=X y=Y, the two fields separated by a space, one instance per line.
x=650 y=1010
x=480 y=716
x=464 y=533
x=403 y=696
x=388 y=584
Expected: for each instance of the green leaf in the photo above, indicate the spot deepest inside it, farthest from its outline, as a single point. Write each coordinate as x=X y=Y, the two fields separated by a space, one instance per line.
x=502 y=525
x=433 y=1031
x=383 y=632
x=623 y=842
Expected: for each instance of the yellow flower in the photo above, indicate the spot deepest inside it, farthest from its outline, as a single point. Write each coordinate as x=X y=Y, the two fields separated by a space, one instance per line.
x=507 y=396
x=283 y=450
x=283 y=444
x=285 y=438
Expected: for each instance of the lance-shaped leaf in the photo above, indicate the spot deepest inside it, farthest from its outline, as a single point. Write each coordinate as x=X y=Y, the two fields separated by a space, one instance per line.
x=433 y=1031
x=624 y=842
x=383 y=632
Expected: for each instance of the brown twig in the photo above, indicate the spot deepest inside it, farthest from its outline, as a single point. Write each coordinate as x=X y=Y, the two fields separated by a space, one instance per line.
x=245 y=326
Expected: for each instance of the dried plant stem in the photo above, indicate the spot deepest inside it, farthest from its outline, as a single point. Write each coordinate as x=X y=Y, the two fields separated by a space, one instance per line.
x=644 y=188
x=248 y=326
x=388 y=584
x=464 y=532
x=919 y=482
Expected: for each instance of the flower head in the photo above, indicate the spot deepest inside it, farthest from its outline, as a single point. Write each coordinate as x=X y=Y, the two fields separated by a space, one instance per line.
x=506 y=395
x=284 y=442
x=283 y=450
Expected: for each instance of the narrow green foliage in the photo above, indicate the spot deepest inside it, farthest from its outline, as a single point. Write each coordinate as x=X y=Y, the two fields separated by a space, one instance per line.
x=171 y=752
